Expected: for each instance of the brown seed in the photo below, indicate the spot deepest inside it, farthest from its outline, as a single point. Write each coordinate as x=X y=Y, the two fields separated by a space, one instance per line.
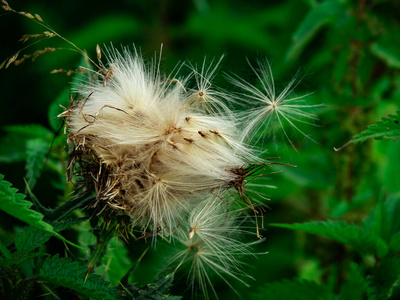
x=38 y=17
x=11 y=60
x=98 y=51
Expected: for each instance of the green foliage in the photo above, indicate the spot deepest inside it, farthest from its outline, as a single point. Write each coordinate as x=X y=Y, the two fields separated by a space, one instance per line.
x=115 y=262
x=387 y=49
x=36 y=151
x=14 y=203
x=394 y=243
x=383 y=279
x=5 y=251
x=14 y=146
x=157 y=290
x=30 y=239
x=360 y=239
x=354 y=286
x=293 y=289
x=320 y=14
x=387 y=129
x=73 y=275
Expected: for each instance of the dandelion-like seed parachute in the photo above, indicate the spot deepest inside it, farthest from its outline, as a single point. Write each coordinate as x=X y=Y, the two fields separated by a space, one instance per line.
x=155 y=149
x=212 y=243
x=269 y=108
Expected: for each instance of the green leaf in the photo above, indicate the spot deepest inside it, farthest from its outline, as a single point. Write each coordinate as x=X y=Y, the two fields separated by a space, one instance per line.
x=360 y=239
x=5 y=251
x=380 y=221
x=36 y=151
x=321 y=14
x=384 y=278
x=72 y=275
x=387 y=49
x=354 y=286
x=394 y=243
x=292 y=289
x=30 y=239
x=387 y=129
x=157 y=290
x=14 y=204
x=392 y=204
x=116 y=261
x=13 y=145
x=25 y=257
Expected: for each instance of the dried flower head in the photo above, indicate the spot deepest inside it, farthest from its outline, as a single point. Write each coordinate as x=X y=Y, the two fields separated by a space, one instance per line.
x=146 y=151
x=172 y=157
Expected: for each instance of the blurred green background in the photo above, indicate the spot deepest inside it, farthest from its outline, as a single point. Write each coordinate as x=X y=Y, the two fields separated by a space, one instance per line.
x=348 y=52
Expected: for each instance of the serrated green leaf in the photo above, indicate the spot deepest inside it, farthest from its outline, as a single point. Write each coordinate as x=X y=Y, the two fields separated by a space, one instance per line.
x=36 y=151
x=382 y=279
x=354 y=287
x=360 y=239
x=30 y=239
x=72 y=275
x=387 y=129
x=157 y=290
x=320 y=15
x=14 y=204
x=5 y=251
x=13 y=145
x=292 y=289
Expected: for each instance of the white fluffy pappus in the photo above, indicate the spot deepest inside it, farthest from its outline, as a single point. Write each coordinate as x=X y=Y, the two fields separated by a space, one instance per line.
x=269 y=107
x=211 y=245
x=163 y=153
x=168 y=154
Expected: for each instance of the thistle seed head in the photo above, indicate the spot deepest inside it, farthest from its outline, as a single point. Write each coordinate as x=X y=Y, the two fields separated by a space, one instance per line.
x=146 y=149
x=173 y=157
